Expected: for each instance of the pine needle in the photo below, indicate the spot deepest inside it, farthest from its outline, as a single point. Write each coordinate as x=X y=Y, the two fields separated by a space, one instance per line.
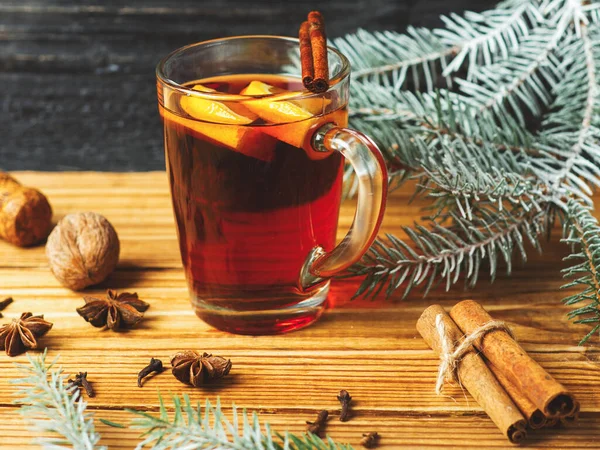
x=50 y=406
x=191 y=426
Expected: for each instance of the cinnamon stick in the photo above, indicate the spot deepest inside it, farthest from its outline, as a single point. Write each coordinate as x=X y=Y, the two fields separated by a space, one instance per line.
x=508 y=358
x=573 y=417
x=566 y=421
x=306 y=57
x=552 y=423
x=318 y=67
x=475 y=376
x=535 y=418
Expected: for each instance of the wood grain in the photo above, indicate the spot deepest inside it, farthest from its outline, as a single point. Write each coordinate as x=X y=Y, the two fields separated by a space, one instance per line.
x=371 y=349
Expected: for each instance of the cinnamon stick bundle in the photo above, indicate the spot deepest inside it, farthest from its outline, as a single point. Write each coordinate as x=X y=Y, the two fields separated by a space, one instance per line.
x=475 y=376
x=508 y=359
x=313 y=53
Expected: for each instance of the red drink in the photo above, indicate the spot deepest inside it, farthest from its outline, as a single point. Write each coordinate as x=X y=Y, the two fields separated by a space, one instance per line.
x=251 y=200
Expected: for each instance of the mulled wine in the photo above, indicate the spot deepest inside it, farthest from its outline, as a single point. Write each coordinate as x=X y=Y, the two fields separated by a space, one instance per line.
x=251 y=198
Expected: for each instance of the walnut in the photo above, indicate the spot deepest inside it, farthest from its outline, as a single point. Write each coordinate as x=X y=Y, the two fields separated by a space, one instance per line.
x=83 y=249
x=25 y=214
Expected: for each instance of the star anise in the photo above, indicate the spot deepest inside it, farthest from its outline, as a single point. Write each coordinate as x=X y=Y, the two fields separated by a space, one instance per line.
x=22 y=333
x=115 y=311
x=191 y=367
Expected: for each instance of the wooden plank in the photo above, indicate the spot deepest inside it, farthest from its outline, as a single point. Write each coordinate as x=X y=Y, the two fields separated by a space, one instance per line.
x=451 y=431
x=370 y=348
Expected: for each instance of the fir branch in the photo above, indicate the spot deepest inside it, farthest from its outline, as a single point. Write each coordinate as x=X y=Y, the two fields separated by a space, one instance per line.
x=525 y=78
x=503 y=153
x=388 y=58
x=445 y=253
x=466 y=189
x=423 y=56
x=193 y=427
x=592 y=11
x=443 y=113
x=582 y=232
x=50 y=406
x=585 y=132
x=456 y=154
x=483 y=37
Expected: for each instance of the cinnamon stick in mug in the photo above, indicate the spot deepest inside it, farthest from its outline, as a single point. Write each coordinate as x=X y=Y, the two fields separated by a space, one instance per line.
x=306 y=56
x=475 y=376
x=318 y=42
x=509 y=359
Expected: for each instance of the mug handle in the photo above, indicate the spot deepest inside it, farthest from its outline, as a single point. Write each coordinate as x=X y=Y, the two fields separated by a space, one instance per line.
x=370 y=170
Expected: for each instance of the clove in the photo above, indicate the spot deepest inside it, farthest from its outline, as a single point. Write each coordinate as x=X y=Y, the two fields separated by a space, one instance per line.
x=345 y=399
x=370 y=440
x=81 y=381
x=318 y=425
x=4 y=303
x=155 y=365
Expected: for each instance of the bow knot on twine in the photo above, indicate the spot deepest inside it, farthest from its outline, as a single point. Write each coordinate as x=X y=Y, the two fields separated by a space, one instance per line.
x=450 y=356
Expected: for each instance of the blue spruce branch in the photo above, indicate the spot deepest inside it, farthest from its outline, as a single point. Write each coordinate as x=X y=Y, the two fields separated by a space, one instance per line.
x=498 y=118
x=582 y=232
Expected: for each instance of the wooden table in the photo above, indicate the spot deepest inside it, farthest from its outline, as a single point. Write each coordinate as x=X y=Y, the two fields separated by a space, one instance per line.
x=369 y=348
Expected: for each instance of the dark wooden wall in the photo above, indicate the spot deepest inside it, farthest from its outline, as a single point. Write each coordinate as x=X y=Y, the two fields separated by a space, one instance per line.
x=77 y=88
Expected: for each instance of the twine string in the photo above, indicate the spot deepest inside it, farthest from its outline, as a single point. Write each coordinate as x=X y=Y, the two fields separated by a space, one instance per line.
x=450 y=356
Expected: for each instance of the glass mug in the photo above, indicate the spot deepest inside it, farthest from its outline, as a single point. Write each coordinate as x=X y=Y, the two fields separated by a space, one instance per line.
x=255 y=165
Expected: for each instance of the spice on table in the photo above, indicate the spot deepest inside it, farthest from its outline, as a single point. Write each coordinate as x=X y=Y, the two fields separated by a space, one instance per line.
x=81 y=381
x=155 y=365
x=124 y=310
x=82 y=250
x=4 y=303
x=318 y=425
x=196 y=369
x=370 y=440
x=473 y=373
x=345 y=399
x=313 y=53
x=508 y=358
x=25 y=214
x=22 y=333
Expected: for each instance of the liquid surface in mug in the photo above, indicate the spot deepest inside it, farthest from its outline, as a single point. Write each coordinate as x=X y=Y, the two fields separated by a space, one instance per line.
x=251 y=199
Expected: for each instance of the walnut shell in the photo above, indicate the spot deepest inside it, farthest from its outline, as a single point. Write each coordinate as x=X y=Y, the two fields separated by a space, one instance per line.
x=83 y=249
x=25 y=214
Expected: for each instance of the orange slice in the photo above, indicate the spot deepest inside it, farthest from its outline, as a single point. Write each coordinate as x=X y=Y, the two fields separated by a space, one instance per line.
x=291 y=123
x=314 y=104
x=271 y=110
x=249 y=141
x=213 y=111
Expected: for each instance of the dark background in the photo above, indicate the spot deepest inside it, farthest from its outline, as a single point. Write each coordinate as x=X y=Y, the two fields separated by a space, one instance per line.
x=77 y=86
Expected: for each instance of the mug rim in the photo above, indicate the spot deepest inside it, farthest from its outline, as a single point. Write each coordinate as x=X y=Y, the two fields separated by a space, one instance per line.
x=336 y=79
